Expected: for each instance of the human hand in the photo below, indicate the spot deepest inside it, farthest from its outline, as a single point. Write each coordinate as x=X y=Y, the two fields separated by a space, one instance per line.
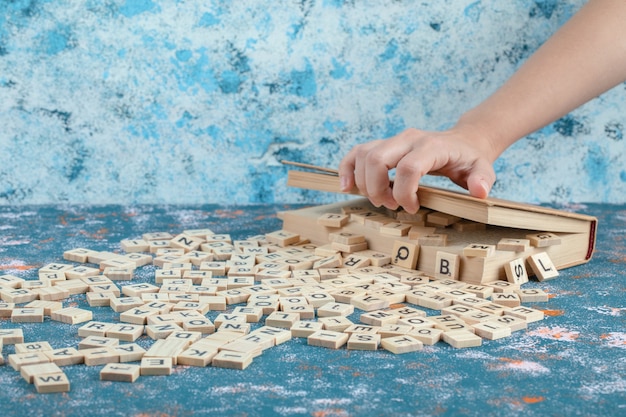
x=463 y=157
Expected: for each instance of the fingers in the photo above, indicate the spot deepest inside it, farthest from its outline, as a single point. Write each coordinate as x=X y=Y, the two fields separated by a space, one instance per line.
x=367 y=166
x=481 y=179
x=346 y=171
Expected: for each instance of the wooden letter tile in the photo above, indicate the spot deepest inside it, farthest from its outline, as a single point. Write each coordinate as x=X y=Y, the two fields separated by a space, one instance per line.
x=543 y=267
x=516 y=271
x=405 y=254
x=51 y=382
x=120 y=372
x=232 y=360
x=328 y=339
x=401 y=344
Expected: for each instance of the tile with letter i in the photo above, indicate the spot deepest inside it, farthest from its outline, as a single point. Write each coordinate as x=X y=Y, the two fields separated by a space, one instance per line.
x=120 y=372
x=328 y=339
x=492 y=330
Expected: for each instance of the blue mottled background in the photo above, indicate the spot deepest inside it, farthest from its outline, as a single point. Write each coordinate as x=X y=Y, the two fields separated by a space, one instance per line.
x=174 y=101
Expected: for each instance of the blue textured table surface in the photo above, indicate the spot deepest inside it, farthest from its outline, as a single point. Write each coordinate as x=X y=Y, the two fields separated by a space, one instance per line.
x=571 y=363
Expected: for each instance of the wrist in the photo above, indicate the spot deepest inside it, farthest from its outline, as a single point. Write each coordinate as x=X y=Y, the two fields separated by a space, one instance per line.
x=483 y=134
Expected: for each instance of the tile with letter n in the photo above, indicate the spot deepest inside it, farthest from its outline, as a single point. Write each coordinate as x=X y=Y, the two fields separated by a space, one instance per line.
x=232 y=360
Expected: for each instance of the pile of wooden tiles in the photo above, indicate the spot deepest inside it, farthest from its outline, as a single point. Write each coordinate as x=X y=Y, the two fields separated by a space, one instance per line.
x=261 y=292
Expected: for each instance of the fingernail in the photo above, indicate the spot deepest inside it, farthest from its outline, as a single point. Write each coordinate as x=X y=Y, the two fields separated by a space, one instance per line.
x=343 y=183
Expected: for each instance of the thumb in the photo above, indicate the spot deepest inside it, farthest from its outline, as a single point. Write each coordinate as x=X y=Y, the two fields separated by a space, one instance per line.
x=480 y=180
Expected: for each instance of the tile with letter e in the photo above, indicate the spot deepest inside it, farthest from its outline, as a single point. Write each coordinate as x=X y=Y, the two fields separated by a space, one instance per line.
x=156 y=366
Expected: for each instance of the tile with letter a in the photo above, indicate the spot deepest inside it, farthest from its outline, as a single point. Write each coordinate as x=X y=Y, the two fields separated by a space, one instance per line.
x=65 y=356
x=401 y=344
x=120 y=372
x=52 y=382
x=232 y=360
x=129 y=352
